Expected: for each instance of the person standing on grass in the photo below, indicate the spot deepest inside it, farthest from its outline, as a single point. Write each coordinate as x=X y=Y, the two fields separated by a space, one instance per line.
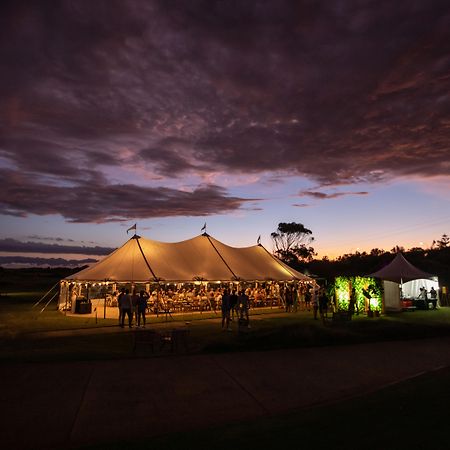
x=323 y=304
x=125 y=306
x=233 y=304
x=307 y=296
x=244 y=304
x=295 y=298
x=119 y=302
x=134 y=305
x=433 y=297
x=425 y=297
x=226 y=302
x=142 y=308
x=288 y=299
x=315 y=302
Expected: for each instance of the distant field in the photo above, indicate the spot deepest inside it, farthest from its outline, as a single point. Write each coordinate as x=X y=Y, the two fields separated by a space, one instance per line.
x=30 y=280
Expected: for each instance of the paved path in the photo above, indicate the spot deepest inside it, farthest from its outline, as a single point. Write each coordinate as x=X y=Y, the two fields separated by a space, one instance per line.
x=57 y=405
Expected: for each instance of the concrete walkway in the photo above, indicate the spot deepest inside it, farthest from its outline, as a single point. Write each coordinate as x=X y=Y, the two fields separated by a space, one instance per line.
x=58 y=405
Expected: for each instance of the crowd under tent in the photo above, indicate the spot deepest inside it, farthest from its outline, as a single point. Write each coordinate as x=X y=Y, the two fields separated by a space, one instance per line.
x=201 y=262
x=403 y=281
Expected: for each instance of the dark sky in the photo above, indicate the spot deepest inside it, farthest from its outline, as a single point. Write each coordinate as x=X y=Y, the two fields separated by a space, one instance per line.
x=106 y=104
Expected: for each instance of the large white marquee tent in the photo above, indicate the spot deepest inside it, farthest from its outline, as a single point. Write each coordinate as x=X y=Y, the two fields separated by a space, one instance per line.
x=201 y=259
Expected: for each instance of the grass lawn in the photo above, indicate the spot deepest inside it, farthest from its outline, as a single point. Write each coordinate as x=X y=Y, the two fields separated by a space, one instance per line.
x=410 y=415
x=19 y=323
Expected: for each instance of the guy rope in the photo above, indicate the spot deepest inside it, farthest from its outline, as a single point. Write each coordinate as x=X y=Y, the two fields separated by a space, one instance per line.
x=46 y=294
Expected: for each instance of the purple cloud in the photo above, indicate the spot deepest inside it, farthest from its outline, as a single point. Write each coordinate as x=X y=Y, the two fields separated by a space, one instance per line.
x=37 y=237
x=99 y=202
x=322 y=195
x=29 y=261
x=15 y=246
x=339 y=93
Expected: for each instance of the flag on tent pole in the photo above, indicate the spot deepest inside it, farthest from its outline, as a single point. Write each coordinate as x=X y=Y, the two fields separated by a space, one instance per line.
x=132 y=228
x=259 y=240
x=203 y=227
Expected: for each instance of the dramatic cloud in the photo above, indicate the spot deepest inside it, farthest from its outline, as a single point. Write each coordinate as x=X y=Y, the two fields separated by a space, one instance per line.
x=98 y=202
x=37 y=237
x=29 y=261
x=336 y=92
x=322 y=195
x=15 y=246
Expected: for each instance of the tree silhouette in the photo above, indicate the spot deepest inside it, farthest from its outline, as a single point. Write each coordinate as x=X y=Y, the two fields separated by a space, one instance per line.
x=441 y=243
x=291 y=243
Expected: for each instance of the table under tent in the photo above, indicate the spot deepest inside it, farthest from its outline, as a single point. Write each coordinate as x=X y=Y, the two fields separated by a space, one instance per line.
x=182 y=276
x=405 y=286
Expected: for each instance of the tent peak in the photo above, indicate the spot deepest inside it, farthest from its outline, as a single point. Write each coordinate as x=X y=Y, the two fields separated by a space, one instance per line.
x=400 y=270
x=145 y=260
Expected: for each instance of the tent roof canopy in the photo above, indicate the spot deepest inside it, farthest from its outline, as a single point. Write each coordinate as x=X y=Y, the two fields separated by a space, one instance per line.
x=400 y=270
x=201 y=258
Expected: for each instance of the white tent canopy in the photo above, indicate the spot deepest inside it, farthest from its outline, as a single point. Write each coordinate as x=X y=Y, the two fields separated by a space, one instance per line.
x=401 y=272
x=201 y=258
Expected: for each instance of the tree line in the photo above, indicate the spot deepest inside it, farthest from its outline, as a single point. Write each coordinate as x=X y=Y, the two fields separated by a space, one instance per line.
x=292 y=244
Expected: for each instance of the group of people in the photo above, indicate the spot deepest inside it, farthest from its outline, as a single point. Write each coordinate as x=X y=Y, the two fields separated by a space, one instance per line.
x=321 y=303
x=132 y=305
x=423 y=295
x=235 y=305
x=303 y=297
x=199 y=298
x=307 y=298
x=202 y=298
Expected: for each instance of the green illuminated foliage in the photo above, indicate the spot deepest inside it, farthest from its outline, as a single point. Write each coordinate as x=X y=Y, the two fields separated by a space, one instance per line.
x=371 y=286
x=342 y=290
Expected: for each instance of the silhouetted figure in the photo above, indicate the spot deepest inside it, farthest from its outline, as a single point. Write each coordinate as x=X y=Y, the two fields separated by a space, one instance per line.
x=233 y=304
x=226 y=302
x=308 y=299
x=142 y=307
x=119 y=303
x=244 y=304
x=125 y=306
x=134 y=305
x=288 y=299
x=433 y=297
x=315 y=303
x=295 y=298
x=323 y=304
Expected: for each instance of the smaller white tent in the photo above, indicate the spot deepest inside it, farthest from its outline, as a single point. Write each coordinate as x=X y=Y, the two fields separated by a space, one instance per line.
x=400 y=276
